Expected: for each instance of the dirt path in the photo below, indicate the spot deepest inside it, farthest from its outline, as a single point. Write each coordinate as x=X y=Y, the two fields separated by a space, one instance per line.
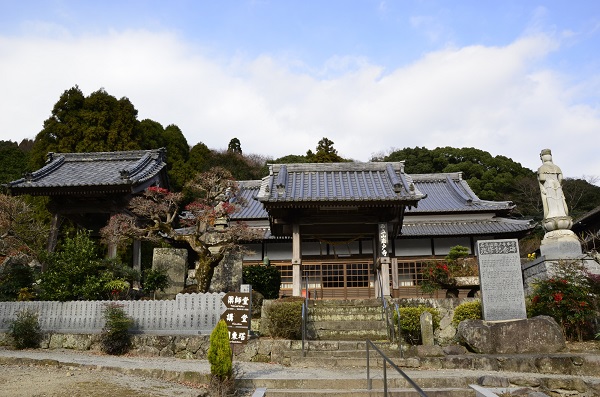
x=64 y=381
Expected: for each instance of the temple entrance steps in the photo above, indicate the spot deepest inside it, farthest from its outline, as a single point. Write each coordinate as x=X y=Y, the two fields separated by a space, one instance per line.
x=354 y=384
x=352 y=319
x=337 y=354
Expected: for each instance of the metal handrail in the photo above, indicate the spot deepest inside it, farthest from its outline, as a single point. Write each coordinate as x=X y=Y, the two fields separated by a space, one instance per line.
x=385 y=310
x=399 y=331
x=386 y=360
x=304 y=318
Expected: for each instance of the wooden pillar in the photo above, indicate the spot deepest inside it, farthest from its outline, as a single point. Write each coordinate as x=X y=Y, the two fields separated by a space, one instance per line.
x=137 y=260
x=384 y=270
x=383 y=261
x=296 y=261
x=53 y=237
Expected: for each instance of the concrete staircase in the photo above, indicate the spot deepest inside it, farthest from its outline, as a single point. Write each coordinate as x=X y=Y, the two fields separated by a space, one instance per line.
x=337 y=354
x=335 y=363
x=357 y=319
x=433 y=386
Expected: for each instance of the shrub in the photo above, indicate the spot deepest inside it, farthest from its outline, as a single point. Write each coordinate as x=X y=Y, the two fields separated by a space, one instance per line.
x=14 y=276
x=568 y=298
x=219 y=352
x=77 y=272
x=155 y=280
x=25 y=330
x=115 y=337
x=467 y=311
x=410 y=322
x=265 y=279
x=437 y=275
x=285 y=318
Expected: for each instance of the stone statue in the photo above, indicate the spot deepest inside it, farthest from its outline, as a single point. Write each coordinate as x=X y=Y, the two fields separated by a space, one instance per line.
x=556 y=213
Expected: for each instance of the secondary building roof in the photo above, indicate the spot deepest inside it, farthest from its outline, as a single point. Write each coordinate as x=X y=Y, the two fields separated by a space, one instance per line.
x=448 y=192
x=97 y=173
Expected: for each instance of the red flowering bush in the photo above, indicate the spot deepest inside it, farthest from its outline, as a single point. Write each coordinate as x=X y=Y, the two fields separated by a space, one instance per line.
x=568 y=298
x=435 y=276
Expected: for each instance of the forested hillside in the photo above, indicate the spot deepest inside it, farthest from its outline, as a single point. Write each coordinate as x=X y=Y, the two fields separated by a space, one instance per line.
x=101 y=122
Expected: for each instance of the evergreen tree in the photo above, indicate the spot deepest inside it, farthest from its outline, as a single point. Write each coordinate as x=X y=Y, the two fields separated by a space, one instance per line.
x=326 y=153
x=235 y=146
x=14 y=162
x=98 y=123
x=219 y=353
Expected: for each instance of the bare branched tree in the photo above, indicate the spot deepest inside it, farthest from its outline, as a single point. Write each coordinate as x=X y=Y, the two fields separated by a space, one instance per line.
x=203 y=224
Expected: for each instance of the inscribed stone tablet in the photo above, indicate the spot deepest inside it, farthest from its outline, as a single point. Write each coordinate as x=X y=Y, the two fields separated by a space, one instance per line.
x=502 y=293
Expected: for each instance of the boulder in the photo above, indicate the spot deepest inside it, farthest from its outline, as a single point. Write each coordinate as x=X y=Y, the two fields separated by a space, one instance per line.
x=534 y=335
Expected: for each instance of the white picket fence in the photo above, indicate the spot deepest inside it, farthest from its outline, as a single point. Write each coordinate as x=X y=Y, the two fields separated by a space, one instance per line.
x=188 y=314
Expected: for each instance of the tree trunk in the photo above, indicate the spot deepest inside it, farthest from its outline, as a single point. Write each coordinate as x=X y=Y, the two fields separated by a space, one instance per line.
x=205 y=268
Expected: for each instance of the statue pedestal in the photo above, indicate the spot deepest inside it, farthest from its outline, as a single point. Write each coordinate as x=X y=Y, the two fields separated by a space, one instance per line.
x=561 y=244
x=543 y=269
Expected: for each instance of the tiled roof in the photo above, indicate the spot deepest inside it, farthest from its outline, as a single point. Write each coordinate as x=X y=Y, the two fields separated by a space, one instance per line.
x=94 y=170
x=460 y=227
x=587 y=221
x=448 y=192
x=341 y=182
x=251 y=208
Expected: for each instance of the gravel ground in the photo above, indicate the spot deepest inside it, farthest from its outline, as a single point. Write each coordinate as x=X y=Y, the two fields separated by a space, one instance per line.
x=65 y=381
x=68 y=373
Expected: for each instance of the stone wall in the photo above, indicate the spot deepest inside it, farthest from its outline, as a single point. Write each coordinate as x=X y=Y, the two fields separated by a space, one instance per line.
x=446 y=332
x=180 y=346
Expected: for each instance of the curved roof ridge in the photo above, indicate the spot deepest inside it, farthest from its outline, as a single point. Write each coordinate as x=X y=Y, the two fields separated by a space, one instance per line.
x=45 y=170
x=99 y=156
x=463 y=195
x=437 y=176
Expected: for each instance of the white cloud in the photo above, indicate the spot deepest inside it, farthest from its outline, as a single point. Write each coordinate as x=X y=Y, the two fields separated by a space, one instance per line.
x=492 y=98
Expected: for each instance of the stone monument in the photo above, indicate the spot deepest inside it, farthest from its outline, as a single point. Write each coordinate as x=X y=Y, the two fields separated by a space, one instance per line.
x=559 y=242
x=501 y=281
x=426 y=329
x=174 y=260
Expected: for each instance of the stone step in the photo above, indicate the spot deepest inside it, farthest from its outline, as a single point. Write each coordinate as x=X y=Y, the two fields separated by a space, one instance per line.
x=439 y=381
x=342 y=353
x=342 y=313
x=334 y=362
x=345 y=303
x=346 y=325
x=352 y=335
x=338 y=354
x=348 y=330
x=369 y=393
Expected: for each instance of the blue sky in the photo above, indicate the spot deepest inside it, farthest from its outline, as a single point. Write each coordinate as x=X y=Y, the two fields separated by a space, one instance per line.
x=508 y=77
